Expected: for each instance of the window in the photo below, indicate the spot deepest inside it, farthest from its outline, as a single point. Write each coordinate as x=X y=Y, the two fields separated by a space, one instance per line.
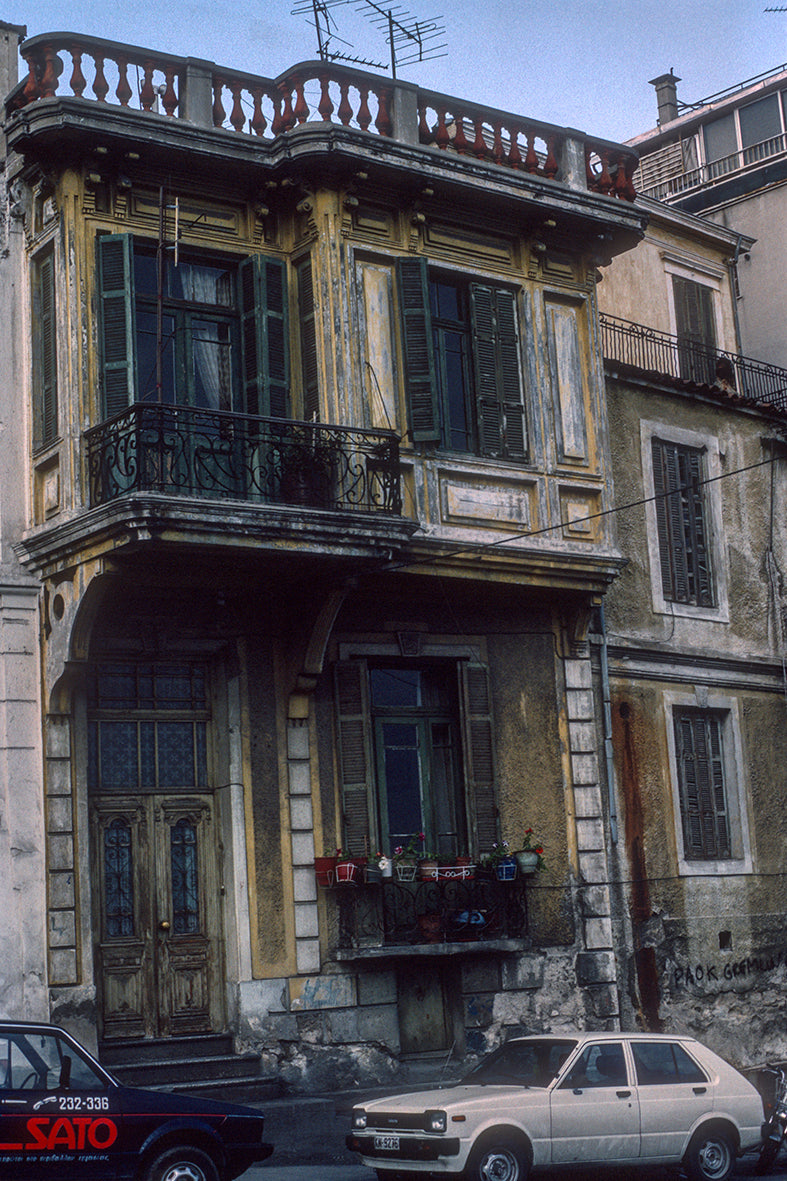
x=462 y=363
x=147 y=732
x=44 y=350
x=681 y=520
x=601 y=1065
x=416 y=755
x=695 y=328
x=220 y=344
x=660 y=1063
x=701 y=781
x=752 y=133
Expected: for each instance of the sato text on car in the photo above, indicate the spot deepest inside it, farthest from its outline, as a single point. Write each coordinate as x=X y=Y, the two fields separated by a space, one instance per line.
x=64 y=1118
x=541 y=1102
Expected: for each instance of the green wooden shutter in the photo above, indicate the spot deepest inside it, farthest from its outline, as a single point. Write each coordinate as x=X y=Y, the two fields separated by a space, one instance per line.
x=309 y=369
x=418 y=350
x=264 y=336
x=501 y=413
x=703 y=795
x=479 y=752
x=355 y=764
x=118 y=329
x=660 y=489
x=45 y=352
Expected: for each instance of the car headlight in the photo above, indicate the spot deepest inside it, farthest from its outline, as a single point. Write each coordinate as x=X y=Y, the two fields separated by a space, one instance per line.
x=359 y=1120
x=436 y=1121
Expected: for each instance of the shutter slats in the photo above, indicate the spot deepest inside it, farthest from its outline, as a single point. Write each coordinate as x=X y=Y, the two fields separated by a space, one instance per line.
x=703 y=794
x=479 y=755
x=418 y=350
x=501 y=412
x=118 y=341
x=264 y=336
x=354 y=754
x=678 y=472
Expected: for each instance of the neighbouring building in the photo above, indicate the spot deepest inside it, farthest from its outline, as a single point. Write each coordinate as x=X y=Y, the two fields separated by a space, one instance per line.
x=725 y=159
x=693 y=637
x=312 y=475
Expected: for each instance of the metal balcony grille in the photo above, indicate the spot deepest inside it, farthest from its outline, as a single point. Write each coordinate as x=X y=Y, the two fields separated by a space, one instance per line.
x=684 y=360
x=180 y=451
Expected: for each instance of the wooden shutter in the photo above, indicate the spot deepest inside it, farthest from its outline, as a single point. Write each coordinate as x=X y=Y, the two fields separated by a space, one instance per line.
x=263 y=303
x=355 y=766
x=478 y=735
x=678 y=472
x=309 y=370
x=418 y=350
x=702 y=789
x=118 y=329
x=45 y=355
x=501 y=416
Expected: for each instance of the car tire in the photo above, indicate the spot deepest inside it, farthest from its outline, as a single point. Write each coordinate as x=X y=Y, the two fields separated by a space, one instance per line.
x=710 y=1155
x=500 y=1158
x=182 y=1164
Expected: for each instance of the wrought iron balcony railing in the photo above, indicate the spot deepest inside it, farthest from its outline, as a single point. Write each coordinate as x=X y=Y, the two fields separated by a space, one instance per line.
x=182 y=451
x=392 y=913
x=671 y=356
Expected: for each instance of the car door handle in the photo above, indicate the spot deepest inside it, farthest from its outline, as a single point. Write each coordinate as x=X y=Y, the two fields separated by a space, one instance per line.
x=699 y=1090
x=623 y=1094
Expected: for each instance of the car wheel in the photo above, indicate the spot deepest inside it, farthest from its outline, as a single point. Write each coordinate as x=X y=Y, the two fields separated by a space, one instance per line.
x=498 y=1160
x=710 y=1156
x=182 y=1164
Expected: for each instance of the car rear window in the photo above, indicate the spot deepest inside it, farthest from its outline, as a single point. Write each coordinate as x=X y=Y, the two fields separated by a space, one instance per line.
x=665 y=1062
x=532 y=1063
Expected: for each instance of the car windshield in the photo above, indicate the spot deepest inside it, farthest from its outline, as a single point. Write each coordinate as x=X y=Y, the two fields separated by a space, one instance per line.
x=531 y=1063
x=40 y=1060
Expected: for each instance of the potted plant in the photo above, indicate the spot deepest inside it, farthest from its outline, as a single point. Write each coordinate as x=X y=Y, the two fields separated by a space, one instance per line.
x=307 y=463
x=406 y=857
x=530 y=857
x=501 y=862
x=325 y=870
x=349 y=869
x=428 y=866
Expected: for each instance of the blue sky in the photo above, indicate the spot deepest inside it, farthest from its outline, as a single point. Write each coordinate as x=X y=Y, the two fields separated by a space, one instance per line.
x=577 y=63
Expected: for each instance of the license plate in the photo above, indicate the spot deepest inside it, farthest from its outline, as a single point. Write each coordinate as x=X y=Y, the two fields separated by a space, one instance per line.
x=387 y=1143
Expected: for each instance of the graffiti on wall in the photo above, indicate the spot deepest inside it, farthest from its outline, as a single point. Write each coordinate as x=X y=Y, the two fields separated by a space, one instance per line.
x=721 y=976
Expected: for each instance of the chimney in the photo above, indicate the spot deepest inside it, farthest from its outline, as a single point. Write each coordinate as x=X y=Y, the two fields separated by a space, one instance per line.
x=666 y=96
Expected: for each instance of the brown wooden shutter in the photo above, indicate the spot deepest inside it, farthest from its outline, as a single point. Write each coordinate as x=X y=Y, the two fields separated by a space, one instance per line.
x=418 y=350
x=309 y=369
x=501 y=422
x=479 y=760
x=698 y=741
x=355 y=763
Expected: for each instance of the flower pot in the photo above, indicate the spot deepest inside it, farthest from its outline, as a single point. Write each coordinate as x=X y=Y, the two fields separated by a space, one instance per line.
x=427 y=870
x=325 y=871
x=527 y=861
x=349 y=873
x=505 y=870
x=374 y=875
x=405 y=871
x=430 y=927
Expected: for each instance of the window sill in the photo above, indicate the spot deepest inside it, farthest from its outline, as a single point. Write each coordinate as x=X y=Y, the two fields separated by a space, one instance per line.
x=421 y=950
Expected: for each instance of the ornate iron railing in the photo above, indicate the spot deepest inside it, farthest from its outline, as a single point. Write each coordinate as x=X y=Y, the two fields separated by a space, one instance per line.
x=392 y=913
x=181 y=451
x=660 y=352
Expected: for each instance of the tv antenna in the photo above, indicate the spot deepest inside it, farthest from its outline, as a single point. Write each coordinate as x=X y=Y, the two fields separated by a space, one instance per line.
x=409 y=40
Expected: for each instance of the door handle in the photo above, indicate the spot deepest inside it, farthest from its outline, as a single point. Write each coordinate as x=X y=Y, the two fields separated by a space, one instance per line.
x=699 y=1090
x=623 y=1094
x=163 y=925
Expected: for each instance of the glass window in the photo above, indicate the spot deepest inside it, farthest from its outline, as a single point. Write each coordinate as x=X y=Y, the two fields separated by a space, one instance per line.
x=759 y=121
x=663 y=1063
x=599 y=1065
x=532 y=1063
x=721 y=144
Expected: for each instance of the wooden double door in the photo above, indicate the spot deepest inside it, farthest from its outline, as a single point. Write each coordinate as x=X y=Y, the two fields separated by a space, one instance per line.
x=157 y=914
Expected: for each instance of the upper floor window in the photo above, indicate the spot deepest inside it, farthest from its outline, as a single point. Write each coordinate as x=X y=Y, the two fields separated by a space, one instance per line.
x=702 y=785
x=44 y=350
x=695 y=328
x=681 y=519
x=462 y=362
x=204 y=332
x=748 y=134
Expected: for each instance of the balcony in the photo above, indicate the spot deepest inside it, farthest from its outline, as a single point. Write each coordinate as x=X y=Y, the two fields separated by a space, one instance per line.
x=687 y=362
x=126 y=88
x=686 y=180
x=393 y=918
x=183 y=452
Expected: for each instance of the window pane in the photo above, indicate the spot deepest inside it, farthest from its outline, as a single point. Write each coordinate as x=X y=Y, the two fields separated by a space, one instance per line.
x=118 y=880
x=185 y=894
x=118 y=767
x=175 y=754
x=398 y=688
x=759 y=121
x=201 y=283
x=720 y=138
x=402 y=769
x=212 y=361
x=147 y=350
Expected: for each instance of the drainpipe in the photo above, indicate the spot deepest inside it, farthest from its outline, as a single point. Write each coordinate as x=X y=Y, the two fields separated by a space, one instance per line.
x=607 y=705
x=732 y=267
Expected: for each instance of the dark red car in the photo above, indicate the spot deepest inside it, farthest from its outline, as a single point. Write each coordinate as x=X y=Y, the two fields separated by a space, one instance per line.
x=62 y=1116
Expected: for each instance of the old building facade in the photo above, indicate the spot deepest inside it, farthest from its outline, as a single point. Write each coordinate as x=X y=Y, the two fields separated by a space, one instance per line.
x=316 y=476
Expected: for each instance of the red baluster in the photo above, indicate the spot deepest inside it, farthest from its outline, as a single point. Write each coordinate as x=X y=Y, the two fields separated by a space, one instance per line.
x=604 y=180
x=49 y=76
x=257 y=123
x=287 y=115
x=123 y=90
x=170 y=98
x=30 y=90
x=237 y=117
x=384 y=122
x=326 y=106
x=364 y=114
x=100 y=84
x=479 y=143
x=277 y=126
x=219 y=114
x=460 y=139
x=631 y=168
x=424 y=130
x=441 y=136
x=147 y=94
x=300 y=112
x=531 y=158
x=345 y=111
x=550 y=164
x=78 y=82
x=514 y=154
x=497 y=144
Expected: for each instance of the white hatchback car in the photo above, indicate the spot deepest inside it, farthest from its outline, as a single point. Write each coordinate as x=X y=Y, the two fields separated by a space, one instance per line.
x=548 y=1102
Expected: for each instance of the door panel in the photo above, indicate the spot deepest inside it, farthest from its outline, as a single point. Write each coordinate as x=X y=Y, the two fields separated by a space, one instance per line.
x=595 y=1111
x=157 y=901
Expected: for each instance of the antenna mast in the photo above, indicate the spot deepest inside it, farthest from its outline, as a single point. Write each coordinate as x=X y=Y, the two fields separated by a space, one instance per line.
x=410 y=41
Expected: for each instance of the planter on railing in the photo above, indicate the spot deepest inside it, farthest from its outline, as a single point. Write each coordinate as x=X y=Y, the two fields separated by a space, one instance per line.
x=325 y=871
x=350 y=872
